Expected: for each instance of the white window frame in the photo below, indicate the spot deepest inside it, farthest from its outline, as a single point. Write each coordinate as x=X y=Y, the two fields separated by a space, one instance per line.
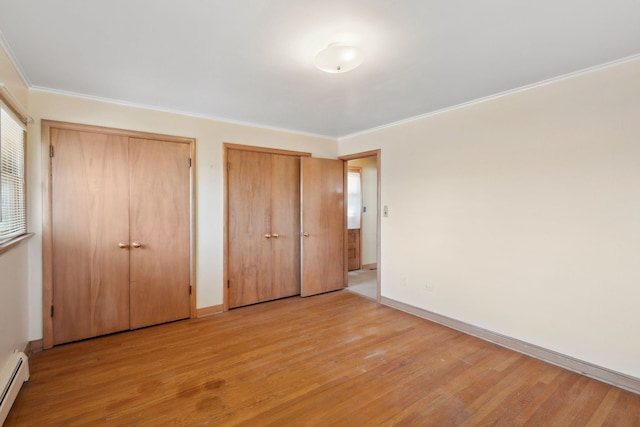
x=14 y=112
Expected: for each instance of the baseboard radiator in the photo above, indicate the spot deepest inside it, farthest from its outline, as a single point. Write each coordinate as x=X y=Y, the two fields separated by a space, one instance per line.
x=12 y=376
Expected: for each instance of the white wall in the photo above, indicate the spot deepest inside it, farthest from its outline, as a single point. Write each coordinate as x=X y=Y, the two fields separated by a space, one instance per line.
x=210 y=136
x=369 y=231
x=521 y=214
x=13 y=301
x=13 y=263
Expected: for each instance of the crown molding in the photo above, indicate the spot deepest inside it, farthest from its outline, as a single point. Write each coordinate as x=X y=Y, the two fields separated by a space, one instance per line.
x=12 y=102
x=497 y=95
x=14 y=61
x=16 y=65
x=178 y=112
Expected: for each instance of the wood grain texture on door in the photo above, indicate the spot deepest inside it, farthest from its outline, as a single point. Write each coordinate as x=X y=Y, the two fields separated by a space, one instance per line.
x=285 y=222
x=90 y=217
x=160 y=223
x=249 y=204
x=263 y=226
x=353 y=249
x=323 y=225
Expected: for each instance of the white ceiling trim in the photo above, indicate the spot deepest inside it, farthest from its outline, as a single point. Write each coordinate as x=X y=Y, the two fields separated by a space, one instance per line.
x=15 y=104
x=12 y=58
x=178 y=112
x=497 y=95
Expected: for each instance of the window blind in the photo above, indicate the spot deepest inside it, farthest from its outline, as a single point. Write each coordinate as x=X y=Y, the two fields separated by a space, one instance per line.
x=13 y=219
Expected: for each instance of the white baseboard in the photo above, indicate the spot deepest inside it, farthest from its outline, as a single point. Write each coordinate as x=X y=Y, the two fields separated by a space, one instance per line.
x=587 y=369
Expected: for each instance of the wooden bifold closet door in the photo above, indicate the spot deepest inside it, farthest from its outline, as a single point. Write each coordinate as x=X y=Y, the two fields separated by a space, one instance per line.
x=263 y=226
x=159 y=205
x=273 y=200
x=323 y=226
x=90 y=216
x=120 y=232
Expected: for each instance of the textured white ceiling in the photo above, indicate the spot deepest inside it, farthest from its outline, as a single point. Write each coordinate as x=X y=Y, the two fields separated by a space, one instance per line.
x=251 y=61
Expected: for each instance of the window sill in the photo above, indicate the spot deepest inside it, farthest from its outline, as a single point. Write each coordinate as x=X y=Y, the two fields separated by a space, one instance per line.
x=8 y=245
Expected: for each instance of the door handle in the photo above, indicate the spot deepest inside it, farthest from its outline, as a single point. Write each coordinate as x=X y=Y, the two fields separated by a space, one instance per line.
x=306 y=234
x=275 y=235
x=136 y=244
x=123 y=245
x=268 y=236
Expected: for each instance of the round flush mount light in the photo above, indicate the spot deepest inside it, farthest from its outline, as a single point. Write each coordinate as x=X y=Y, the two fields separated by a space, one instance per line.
x=338 y=58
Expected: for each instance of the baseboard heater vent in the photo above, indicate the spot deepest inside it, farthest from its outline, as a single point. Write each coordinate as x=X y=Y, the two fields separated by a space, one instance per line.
x=12 y=376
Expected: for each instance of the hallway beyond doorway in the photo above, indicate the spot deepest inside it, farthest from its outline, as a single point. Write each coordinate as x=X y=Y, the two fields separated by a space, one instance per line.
x=364 y=282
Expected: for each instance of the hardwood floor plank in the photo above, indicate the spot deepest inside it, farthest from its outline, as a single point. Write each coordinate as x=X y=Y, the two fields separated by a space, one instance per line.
x=362 y=384
x=491 y=409
x=333 y=359
x=628 y=413
x=450 y=404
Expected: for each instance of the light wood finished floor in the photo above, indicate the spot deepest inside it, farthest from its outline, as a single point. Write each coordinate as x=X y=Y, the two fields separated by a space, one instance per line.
x=336 y=359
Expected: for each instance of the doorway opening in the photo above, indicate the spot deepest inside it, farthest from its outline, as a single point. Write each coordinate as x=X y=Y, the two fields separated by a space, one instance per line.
x=363 y=223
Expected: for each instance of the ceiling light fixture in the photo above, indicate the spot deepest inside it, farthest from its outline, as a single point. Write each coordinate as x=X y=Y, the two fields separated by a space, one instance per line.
x=338 y=58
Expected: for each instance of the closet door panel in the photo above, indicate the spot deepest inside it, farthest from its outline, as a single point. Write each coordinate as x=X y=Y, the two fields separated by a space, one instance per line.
x=160 y=223
x=249 y=219
x=90 y=217
x=323 y=225
x=285 y=222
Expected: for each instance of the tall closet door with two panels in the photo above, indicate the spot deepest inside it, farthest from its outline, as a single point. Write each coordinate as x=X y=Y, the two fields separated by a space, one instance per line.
x=286 y=222
x=120 y=232
x=263 y=226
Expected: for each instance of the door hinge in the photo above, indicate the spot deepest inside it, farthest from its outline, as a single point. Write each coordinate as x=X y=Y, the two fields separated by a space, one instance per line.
x=228 y=284
x=51 y=311
x=190 y=289
x=189 y=161
x=228 y=166
x=51 y=151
